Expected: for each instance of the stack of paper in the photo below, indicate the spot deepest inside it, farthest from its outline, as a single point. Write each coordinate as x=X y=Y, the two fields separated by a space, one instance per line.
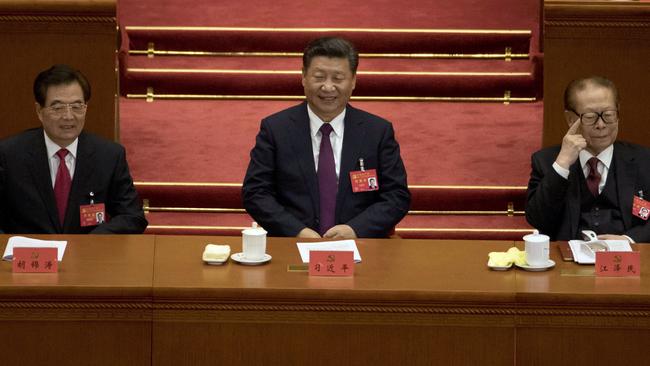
x=340 y=245
x=584 y=255
x=23 y=242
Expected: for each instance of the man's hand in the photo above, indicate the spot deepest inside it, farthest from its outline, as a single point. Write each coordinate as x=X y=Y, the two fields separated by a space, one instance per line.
x=612 y=237
x=308 y=233
x=572 y=144
x=340 y=232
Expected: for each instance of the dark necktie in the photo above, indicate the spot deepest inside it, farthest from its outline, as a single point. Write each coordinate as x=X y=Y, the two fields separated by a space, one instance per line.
x=62 y=185
x=593 y=179
x=327 y=182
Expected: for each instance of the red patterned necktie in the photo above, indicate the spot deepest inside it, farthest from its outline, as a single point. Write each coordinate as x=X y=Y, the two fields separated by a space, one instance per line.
x=593 y=179
x=327 y=182
x=62 y=185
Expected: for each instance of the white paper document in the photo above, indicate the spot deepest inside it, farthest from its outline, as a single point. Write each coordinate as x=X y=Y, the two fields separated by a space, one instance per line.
x=339 y=245
x=583 y=255
x=23 y=242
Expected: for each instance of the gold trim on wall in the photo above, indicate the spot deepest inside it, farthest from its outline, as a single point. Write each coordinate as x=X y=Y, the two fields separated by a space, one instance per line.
x=238 y=185
x=56 y=19
x=354 y=30
x=151 y=97
x=505 y=56
x=298 y=72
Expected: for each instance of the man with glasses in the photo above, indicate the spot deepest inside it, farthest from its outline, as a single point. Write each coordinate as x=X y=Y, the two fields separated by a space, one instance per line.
x=591 y=181
x=59 y=179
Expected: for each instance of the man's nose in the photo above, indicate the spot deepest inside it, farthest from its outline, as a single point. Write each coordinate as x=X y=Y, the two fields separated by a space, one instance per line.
x=600 y=123
x=67 y=114
x=328 y=85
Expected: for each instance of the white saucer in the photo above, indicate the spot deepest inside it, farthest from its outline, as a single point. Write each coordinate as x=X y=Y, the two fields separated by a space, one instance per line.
x=239 y=257
x=500 y=268
x=216 y=263
x=550 y=264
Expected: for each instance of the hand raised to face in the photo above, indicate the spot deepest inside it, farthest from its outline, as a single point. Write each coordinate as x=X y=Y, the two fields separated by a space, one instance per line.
x=572 y=143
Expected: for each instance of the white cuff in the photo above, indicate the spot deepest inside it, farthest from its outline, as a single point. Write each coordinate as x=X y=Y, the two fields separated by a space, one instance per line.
x=564 y=173
x=630 y=239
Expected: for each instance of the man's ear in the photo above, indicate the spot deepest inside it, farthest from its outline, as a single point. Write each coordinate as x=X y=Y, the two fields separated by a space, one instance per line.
x=39 y=111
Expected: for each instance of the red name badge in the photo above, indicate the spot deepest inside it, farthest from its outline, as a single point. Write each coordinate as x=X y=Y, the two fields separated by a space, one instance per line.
x=92 y=215
x=618 y=264
x=364 y=180
x=641 y=208
x=331 y=263
x=35 y=260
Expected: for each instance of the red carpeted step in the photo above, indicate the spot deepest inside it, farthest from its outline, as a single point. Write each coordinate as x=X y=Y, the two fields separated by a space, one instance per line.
x=378 y=40
x=441 y=143
x=429 y=227
x=369 y=83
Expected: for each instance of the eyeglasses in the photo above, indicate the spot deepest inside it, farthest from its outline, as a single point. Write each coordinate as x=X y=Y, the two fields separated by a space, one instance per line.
x=590 y=118
x=61 y=109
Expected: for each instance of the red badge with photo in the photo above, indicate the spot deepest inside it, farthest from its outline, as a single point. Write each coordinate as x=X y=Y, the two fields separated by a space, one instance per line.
x=92 y=215
x=364 y=180
x=641 y=208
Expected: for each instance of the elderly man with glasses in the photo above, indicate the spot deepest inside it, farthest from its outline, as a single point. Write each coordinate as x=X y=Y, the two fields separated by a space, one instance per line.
x=59 y=179
x=591 y=181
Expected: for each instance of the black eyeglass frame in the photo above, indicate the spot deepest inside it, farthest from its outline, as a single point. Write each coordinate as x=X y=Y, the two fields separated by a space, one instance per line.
x=600 y=115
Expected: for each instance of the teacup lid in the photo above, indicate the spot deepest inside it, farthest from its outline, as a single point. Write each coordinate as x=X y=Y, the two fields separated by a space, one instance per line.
x=536 y=237
x=254 y=230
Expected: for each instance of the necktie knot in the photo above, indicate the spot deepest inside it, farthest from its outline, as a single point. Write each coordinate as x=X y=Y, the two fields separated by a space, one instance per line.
x=326 y=129
x=593 y=164
x=62 y=154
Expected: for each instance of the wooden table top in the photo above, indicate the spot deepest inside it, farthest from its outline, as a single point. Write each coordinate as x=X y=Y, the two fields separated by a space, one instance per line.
x=114 y=266
x=169 y=268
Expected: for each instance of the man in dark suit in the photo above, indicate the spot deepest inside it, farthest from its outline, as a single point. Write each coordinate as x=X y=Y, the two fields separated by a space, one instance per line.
x=58 y=179
x=590 y=181
x=300 y=183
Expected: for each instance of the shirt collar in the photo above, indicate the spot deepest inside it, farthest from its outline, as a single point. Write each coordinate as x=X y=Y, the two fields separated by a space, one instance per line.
x=605 y=156
x=315 y=122
x=52 y=147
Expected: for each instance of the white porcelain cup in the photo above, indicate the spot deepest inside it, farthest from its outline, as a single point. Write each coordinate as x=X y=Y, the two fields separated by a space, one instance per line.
x=254 y=242
x=536 y=247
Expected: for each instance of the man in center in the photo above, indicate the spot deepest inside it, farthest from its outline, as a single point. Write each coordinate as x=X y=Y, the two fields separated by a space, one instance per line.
x=309 y=169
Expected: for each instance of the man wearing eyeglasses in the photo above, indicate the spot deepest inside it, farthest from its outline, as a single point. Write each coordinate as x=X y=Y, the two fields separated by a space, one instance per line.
x=59 y=179
x=591 y=181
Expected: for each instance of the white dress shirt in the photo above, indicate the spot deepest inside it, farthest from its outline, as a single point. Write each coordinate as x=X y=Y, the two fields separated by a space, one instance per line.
x=604 y=162
x=336 y=137
x=70 y=159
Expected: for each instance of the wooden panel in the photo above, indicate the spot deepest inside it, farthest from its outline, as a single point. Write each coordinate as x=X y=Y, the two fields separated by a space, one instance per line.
x=411 y=302
x=605 y=38
x=565 y=315
x=95 y=311
x=38 y=34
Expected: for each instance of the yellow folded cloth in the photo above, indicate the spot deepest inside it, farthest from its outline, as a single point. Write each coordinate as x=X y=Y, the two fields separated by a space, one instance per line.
x=216 y=252
x=505 y=259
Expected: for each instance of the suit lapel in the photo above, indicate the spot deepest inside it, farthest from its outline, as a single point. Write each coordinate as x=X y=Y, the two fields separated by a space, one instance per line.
x=84 y=167
x=574 y=197
x=301 y=144
x=624 y=167
x=353 y=137
x=39 y=167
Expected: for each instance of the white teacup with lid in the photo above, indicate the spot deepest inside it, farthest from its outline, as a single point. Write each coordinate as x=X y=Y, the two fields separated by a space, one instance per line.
x=536 y=247
x=254 y=242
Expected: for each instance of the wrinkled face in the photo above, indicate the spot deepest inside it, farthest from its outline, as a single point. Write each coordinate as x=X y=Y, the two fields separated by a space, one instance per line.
x=328 y=84
x=595 y=98
x=64 y=113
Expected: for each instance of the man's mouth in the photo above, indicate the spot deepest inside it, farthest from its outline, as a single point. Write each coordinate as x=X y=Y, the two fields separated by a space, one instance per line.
x=327 y=98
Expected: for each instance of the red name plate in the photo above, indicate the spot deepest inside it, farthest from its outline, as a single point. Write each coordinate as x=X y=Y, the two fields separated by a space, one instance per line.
x=35 y=260
x=331 y=263
x=618 y=264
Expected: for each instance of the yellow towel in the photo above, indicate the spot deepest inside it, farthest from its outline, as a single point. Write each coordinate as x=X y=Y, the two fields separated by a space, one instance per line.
x=505 y=259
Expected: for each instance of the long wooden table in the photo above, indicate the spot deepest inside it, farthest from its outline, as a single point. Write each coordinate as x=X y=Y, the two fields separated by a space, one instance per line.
x=150 y=300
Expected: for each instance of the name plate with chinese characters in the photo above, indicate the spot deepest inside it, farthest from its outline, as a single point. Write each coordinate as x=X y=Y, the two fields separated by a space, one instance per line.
x=618 y=264
x=35 y=260
x=331 y=263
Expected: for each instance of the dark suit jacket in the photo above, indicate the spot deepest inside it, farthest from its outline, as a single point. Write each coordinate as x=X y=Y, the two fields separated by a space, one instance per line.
x=553 y=204
x=280 y=189
x=27 y=203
